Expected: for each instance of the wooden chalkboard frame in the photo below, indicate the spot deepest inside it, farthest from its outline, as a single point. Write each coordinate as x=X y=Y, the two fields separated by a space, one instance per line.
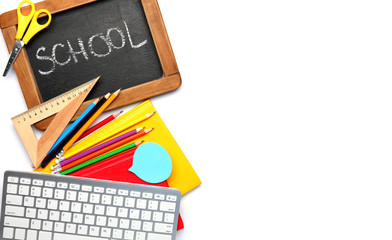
x=169 y=82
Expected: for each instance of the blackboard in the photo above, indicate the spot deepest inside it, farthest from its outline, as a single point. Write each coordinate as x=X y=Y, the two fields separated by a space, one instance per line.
x=144 y=66
x=107 y=38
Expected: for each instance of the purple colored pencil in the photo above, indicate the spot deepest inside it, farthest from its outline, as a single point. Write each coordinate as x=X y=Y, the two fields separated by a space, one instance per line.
x=100 y=146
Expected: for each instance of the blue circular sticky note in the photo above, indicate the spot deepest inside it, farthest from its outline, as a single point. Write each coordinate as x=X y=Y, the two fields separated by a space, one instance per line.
x=151 y=163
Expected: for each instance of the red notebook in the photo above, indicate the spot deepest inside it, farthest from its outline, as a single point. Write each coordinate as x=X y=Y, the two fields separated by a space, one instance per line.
x=116 y=169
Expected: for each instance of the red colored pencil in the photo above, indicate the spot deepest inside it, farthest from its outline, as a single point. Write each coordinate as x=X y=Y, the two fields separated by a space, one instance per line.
x=99 y=125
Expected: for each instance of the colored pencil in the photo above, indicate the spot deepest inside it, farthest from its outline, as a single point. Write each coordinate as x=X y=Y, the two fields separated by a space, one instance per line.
x=100 y=158
x=62 y=161
x=91 y=120
x=103 y=134
x=58 y=149
x=99 y=125
x=73 y=125
x=104 y=150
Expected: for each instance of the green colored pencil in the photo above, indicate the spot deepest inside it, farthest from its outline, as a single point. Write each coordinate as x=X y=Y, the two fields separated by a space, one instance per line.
x=100 y=158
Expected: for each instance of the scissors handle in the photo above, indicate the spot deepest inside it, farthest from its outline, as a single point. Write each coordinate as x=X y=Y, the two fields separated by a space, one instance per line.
x=35 y=26
x=23 y=21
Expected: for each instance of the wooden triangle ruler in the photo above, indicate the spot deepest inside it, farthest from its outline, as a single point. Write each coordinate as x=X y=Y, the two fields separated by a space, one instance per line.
x=64 y=105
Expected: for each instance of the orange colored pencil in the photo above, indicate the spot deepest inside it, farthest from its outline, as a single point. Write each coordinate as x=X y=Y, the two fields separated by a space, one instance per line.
x=106 y=149
x=91 y=120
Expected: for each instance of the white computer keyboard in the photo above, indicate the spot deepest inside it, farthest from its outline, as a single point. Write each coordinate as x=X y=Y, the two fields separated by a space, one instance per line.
x=47 y=207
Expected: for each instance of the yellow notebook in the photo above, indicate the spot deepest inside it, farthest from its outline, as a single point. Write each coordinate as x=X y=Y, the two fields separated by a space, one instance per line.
x=183 y=176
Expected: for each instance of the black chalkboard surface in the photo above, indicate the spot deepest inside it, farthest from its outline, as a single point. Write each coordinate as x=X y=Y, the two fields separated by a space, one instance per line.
x=107 y=38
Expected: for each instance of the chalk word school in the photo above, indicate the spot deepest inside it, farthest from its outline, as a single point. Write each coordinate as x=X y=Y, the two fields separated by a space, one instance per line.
x=74 y=56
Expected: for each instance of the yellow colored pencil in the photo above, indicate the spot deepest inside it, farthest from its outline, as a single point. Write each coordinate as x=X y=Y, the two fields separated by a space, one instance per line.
x=104 y=134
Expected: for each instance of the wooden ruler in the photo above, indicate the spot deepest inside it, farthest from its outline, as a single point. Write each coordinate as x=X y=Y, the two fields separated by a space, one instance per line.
x=65 y=105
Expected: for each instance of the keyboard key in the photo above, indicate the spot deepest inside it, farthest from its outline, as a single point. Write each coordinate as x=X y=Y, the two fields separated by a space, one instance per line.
x=70 y=228
x=105 y=232
x=77 y=218
x=89 y=219
x=135 y=194
x=82 y=229
x=134 y=213
x=42 y=214
x=87 y=188
x=35 y=224
x=24 y=190
x=74 y=186
x=124 y=223
x=14 y=211
x=159 y=196
x=118 y=201
x=31 y=212
x=13 y=199
x=111 y=211
x=59 y=194
x=95 y=198
x=16 y=222
x=111 y=191
x=62 y=185
x=163 y=228
x=71 y=195
x=54 y=215
x=99 y=209
x=141 y=203
x=99 y=189
x=64 y=206
x=157 y=216
x=101 y=221
x=83 y=197
x=171 y=198
x=12 y=179
x=50 y=184
x=136 y=225
x=40 y=203
x=146 y=215
x=28 y=201
x=47 y=225
x=52 y=204
x=12 y=188
x=59 y=227
x=153 y=205
x=106 y=199
x=66 y=217
x=62 y=236
x=88 y=208
x=35 y=191
x=123 y=192
x=140 y=236
x=147 y=195
x=117 y=233
x=47 y=192
x=168 y=206
x=38 y=182
x=157 y=236
x=147 y=226
x=122 y=212
x=169 y=217
x=8 y=233
x=45 y=235
x=130 y=202
x=32 y=235
x=76 y=207
x=94 y=231
x=25 y=180
x=128 y=234
x=112 y=222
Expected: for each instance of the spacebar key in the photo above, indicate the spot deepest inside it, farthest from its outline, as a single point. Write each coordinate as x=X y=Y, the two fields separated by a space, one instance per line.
x=62 y=236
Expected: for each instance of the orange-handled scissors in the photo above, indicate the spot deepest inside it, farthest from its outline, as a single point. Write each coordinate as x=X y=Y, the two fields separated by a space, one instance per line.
x=29 y=23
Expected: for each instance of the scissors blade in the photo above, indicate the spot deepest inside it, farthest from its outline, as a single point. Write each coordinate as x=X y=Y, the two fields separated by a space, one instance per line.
x=14 y=54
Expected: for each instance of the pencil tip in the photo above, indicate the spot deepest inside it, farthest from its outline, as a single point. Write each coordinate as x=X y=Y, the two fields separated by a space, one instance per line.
x=150 y=114
x=117 y=92
x=107 y=95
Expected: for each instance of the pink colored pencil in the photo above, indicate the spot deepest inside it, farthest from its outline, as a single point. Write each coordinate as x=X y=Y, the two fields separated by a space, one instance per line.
x=99 y=125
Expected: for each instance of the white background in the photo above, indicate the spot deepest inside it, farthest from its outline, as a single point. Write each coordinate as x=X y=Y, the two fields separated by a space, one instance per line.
x=284 y=112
